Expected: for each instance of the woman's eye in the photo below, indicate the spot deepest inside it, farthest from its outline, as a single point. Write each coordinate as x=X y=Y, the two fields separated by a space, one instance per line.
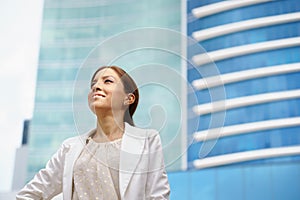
x=108 y=81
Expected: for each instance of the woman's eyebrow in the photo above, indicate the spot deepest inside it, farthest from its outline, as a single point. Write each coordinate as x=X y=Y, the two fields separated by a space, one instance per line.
x=104 y=77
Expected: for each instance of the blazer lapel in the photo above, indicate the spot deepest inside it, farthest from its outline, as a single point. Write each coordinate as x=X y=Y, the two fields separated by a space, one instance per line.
x=132 y=148
x=76 y=148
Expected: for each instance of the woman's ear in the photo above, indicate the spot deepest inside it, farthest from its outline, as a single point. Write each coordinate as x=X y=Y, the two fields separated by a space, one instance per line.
x=130 y=98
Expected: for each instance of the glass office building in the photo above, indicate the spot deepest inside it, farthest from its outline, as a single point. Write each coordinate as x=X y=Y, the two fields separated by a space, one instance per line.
x=239 y=132
x=248 y=139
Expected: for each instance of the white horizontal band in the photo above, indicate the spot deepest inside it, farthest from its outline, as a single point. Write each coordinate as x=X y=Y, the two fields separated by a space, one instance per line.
x=222 y=54
x=245 y=101
x=245 y=128
x=245 y=25
x=223 y=79
x=222 y=6
x=246 y=156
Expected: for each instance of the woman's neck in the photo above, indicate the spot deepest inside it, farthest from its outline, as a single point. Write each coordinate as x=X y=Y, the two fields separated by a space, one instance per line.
x=109 y=127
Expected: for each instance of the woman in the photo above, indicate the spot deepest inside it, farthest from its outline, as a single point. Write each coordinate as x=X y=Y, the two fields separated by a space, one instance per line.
x=114 y=161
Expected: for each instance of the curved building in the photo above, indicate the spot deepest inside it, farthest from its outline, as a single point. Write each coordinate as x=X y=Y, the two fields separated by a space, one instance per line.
x=247 y=145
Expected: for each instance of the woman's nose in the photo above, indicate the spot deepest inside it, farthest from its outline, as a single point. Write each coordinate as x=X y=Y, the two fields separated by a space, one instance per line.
x=96 y=87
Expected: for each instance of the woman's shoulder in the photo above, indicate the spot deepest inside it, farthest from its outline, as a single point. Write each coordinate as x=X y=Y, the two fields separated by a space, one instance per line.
x=140 y=132
x=80 y=138
x=136 y=129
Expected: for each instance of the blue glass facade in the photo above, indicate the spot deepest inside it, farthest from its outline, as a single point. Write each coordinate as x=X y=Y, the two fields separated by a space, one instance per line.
x=270 y=178
x=259 y=112
x=248 y=182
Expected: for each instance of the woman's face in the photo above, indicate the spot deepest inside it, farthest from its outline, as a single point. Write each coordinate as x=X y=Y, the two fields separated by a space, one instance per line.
x=107 y=91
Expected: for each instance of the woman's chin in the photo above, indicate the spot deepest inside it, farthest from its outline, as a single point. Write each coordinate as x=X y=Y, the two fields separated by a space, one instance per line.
x=99 y=107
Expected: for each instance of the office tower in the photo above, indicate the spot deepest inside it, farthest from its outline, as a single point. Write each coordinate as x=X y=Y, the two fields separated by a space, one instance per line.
x=21 y=160
x=247 y=87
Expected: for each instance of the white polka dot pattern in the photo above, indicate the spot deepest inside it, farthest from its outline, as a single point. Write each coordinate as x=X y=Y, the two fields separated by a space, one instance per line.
x=96 y=172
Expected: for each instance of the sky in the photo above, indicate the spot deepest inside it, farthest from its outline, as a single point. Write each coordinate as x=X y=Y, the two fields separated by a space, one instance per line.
x=20 y=38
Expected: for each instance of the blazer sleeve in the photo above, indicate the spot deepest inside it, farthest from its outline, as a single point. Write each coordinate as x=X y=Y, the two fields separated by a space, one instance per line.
x=47 y=183
x=157 y=186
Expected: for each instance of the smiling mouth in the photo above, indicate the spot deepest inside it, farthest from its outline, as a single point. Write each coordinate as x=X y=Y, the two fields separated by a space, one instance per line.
x=98 y=96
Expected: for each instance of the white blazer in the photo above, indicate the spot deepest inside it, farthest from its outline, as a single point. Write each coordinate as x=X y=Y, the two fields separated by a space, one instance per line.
x=142 y=174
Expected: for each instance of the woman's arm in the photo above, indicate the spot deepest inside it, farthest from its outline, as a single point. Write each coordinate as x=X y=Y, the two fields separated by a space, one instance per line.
x=157 y=187
x=47 y=183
